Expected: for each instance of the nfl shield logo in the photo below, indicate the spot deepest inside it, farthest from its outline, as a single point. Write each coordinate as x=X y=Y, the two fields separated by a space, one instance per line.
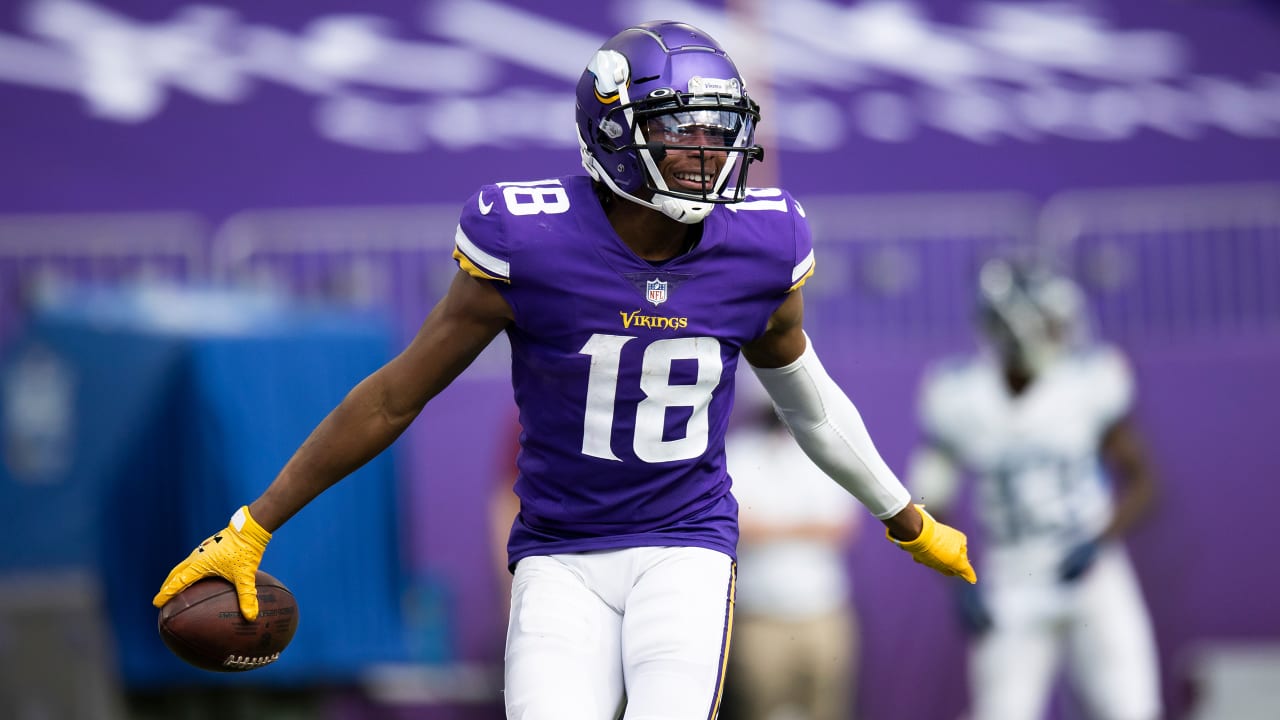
x=655 y=291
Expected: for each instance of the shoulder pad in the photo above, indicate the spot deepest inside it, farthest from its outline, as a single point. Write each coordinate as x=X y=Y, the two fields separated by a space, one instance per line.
x=488 y=230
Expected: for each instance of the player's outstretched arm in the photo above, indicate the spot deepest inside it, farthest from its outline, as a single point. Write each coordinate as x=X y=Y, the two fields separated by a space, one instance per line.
x=382 y=406
x=372 y=415
x=829 y=428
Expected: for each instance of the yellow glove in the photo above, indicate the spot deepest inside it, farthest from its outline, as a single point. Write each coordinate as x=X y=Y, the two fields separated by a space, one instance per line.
x=233 y=554
x=940 y=547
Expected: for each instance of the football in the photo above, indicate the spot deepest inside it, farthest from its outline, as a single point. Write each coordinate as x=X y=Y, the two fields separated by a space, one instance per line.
x=203 y=626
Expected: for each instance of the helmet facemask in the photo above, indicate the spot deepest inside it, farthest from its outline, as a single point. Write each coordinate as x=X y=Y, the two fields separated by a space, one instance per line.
x=714 y=131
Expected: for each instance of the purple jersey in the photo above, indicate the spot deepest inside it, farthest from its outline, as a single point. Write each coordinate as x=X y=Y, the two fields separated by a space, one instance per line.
x=623 y=369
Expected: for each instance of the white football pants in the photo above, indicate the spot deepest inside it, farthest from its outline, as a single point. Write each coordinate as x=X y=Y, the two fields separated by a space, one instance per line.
x=1100 y=624
x=638 y=633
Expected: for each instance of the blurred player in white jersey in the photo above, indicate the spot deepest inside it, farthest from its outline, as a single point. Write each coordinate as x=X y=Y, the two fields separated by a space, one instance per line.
x=1041 y=420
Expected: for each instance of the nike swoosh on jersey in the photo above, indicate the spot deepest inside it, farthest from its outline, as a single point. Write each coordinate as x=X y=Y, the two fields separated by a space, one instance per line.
x=484 y=207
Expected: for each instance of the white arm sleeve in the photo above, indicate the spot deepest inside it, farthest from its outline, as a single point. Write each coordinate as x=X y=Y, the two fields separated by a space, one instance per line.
x=829 y=429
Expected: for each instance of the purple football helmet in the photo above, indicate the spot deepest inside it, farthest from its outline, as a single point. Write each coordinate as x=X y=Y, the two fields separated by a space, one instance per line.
x=662 y=86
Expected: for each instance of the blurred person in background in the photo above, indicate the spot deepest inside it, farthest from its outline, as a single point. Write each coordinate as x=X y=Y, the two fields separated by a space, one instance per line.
x=796 y=639
x=628 y=297
x=1041 y=418
x=504 y=506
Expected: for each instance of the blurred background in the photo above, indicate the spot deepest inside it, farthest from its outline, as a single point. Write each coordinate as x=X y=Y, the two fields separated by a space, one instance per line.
x=216 y=217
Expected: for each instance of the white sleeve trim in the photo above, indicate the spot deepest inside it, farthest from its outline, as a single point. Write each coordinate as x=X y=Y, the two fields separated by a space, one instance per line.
x=485 y=261
x=802 y=268
x=830 y=430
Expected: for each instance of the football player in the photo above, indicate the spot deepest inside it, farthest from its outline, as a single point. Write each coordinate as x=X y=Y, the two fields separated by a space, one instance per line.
x=627 y=295
x=1042 y=421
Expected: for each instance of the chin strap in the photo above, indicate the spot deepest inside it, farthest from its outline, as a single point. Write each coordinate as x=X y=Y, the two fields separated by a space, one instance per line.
x=685 y=211
x=678 y=209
